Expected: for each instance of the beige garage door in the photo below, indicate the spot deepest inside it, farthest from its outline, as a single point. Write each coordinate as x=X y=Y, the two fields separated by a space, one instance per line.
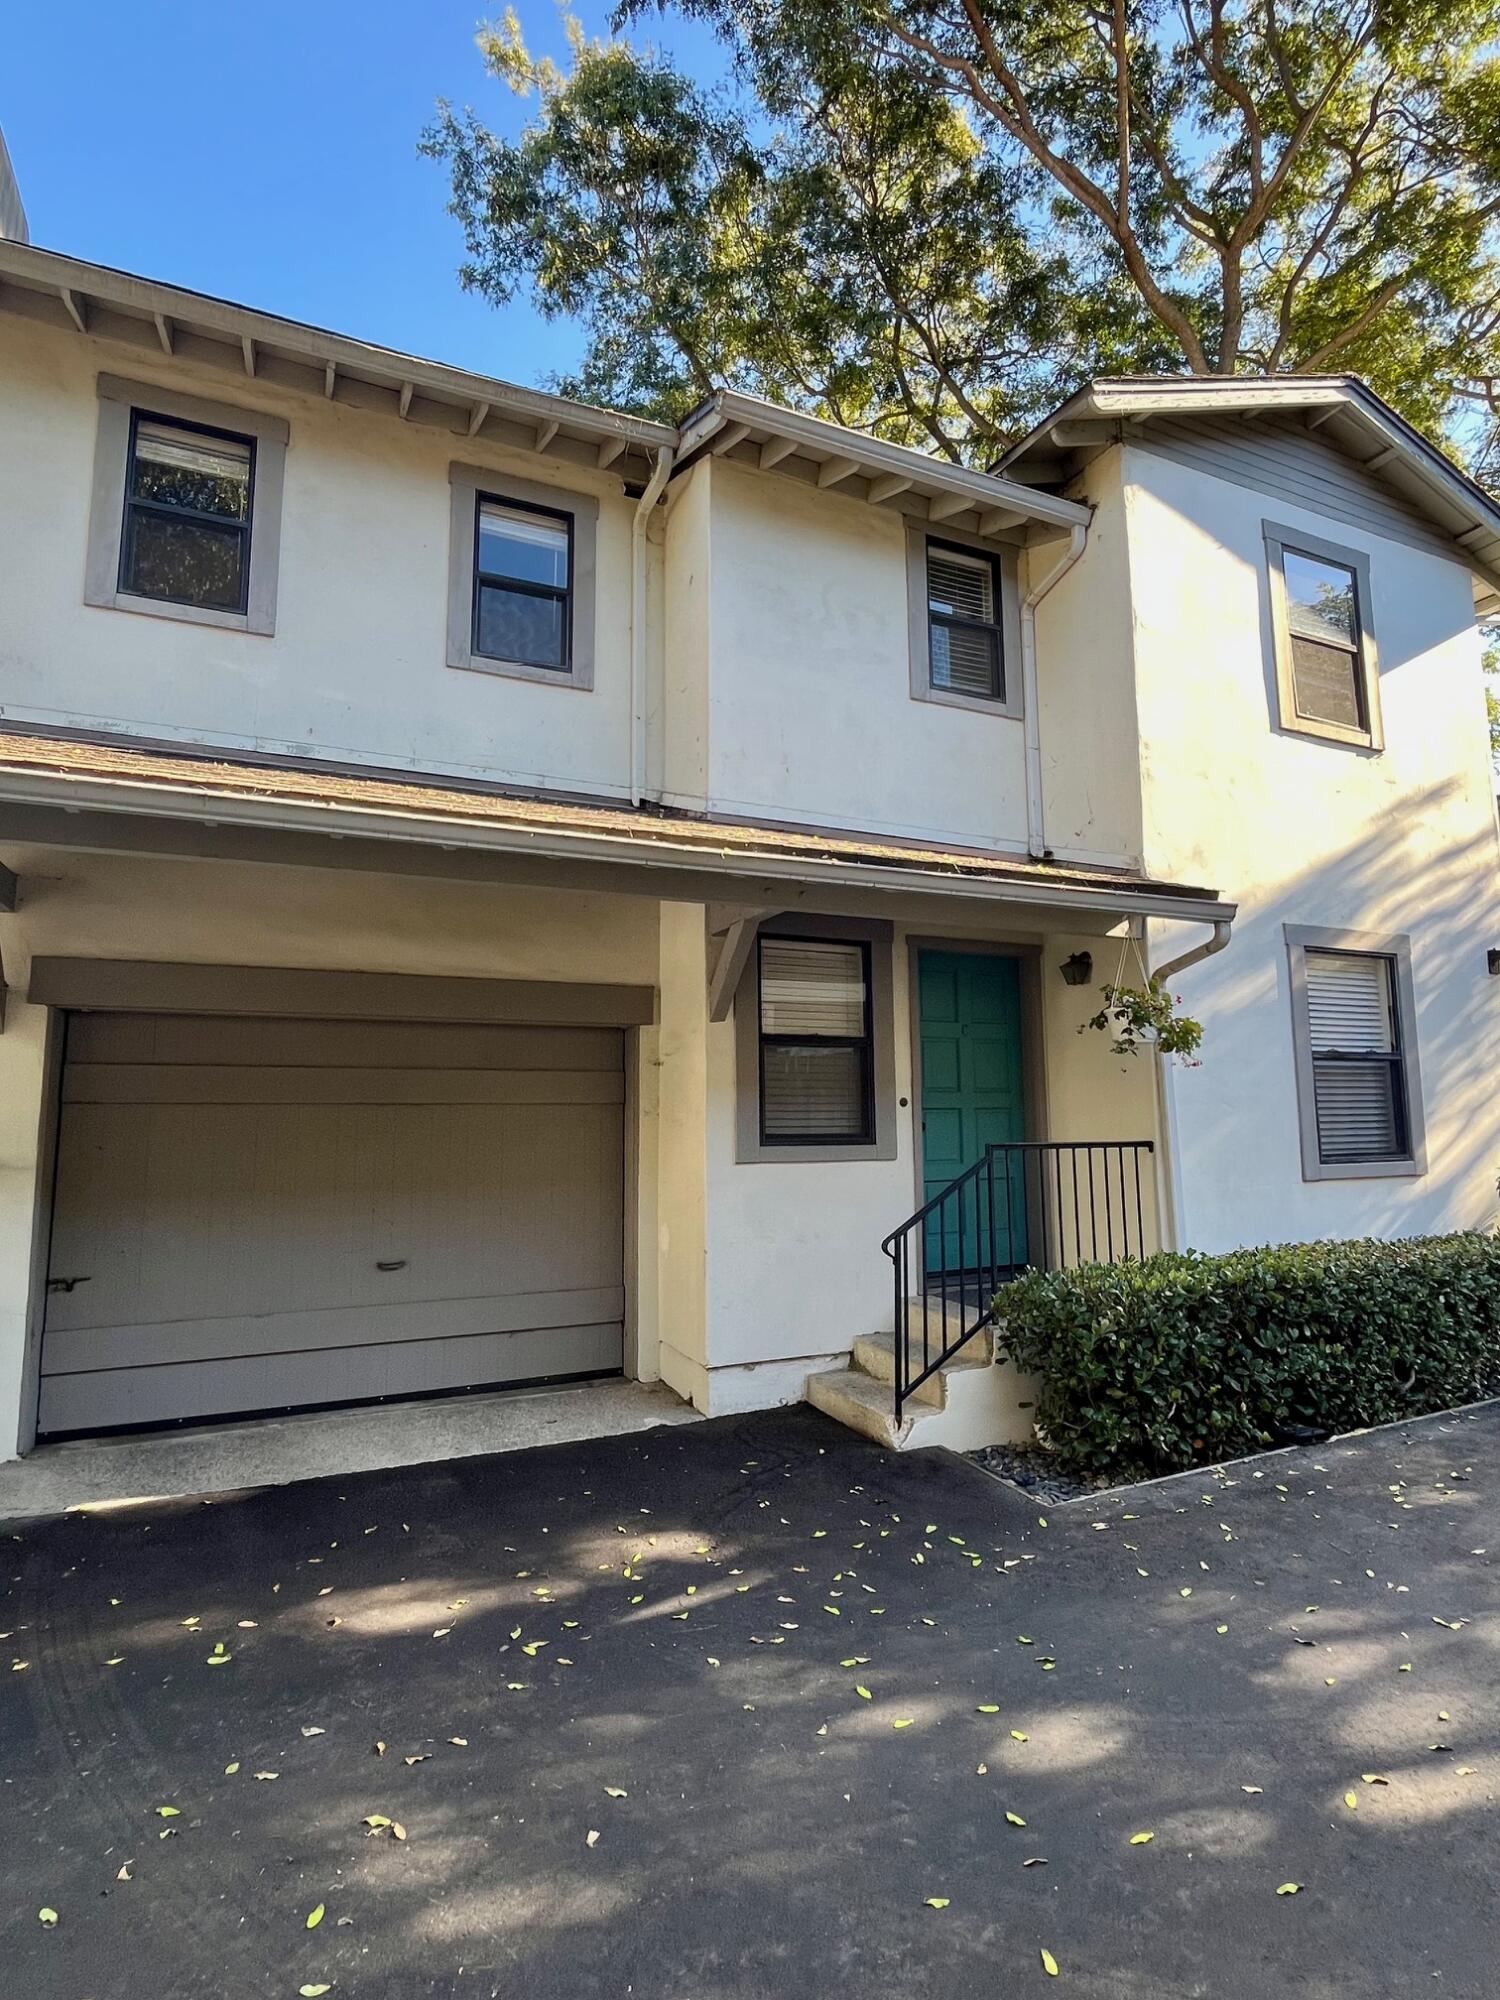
x=255 y=1214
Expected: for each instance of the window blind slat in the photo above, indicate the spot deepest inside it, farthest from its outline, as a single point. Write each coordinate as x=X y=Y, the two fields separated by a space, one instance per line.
x=809 y=988
x=964 y=660
x=813 y=1093
x=960 y=588
x=1326 y=679
x=1356 y=1110
x=1349 y=1002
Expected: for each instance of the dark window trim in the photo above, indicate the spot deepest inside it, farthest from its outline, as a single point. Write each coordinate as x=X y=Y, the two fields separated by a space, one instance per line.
x=994 y=626
x=163 y=510
x=1394 y=1062
x=1368 y=736
x=467 y=484
x=269 y=436
x=1004 y=554
x=547 y=591
x=878 y=934
x=864 y=1042
x=1396 y=951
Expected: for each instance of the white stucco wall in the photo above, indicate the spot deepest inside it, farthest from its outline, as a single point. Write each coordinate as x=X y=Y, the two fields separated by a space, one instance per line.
x=356 y=671
x=1306 y=832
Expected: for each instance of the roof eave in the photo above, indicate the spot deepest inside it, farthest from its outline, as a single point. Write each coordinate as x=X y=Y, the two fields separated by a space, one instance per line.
x=764 y=435
x=341 y=820
x=164 y=313
x=1450 y=495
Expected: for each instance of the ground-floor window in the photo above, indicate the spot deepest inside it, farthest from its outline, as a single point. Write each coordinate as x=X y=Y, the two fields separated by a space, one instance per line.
x=1354 y=1031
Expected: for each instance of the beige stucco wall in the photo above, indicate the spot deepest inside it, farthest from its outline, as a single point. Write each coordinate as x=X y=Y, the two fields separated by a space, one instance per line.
x=356 y=671
x=1091 y=783
x=810 y=711
x=239 y=913
x=792 y=1267
x=1306 y=832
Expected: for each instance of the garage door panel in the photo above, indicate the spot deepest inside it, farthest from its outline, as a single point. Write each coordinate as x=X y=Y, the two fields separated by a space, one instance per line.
x=148 y=1083
x=83 y=1350
x=251 y=1210
x=198 y=1039
x=267 y=1209
x=127 y=1396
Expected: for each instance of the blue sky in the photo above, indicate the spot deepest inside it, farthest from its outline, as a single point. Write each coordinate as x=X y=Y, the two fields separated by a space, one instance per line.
x=266 y=152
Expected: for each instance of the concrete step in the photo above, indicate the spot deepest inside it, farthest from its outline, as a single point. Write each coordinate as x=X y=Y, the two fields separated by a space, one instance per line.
x=865 y=1405
x=875 y=1355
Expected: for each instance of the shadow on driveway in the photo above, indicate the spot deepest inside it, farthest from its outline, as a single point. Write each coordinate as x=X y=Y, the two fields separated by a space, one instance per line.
x=709 y=1714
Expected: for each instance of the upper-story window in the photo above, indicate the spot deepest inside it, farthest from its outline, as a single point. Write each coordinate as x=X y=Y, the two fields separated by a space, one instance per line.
x=523 y=584
x=186 y=535
x=1325 y=644
x=521 y=578
x=964 y=650
x=186 y=516
x=964 y=629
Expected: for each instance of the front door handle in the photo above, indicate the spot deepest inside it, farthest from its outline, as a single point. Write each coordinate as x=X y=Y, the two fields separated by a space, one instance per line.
x=65 y=1284
x=391 y=1264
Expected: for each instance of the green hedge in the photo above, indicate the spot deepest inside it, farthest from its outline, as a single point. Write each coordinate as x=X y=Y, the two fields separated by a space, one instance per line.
x=1183 y=1360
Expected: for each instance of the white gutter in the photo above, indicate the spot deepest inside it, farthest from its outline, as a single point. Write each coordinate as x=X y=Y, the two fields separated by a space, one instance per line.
x=639 y=521
x=191 y=803
x=1036 y=828
x=1199 y=952
x=1169 y=1173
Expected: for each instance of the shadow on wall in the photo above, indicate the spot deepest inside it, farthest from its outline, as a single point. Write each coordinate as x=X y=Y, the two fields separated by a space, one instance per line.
x=1238 y=1111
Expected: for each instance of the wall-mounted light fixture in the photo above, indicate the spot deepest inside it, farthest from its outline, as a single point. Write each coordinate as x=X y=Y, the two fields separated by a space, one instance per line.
x=1079 y=969
x=1493 y=958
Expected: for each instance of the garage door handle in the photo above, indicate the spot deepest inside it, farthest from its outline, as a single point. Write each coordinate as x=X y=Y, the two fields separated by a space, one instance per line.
x=64 y=1284
x=391 y=1264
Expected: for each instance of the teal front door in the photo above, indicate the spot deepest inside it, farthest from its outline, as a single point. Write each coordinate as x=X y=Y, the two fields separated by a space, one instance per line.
x=969 y=1006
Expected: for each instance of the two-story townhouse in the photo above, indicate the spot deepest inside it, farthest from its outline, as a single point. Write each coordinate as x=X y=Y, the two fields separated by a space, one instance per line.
x=499 y=891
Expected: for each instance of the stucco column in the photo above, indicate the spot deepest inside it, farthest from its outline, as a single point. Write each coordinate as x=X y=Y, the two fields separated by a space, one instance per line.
x=682 y=1120
x=23 y=1073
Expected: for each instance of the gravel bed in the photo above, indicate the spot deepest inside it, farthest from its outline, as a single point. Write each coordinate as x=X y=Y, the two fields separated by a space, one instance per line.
x=1034 y=1471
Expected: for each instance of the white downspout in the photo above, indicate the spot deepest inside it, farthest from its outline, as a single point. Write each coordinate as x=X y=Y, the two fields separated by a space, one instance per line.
x=638 y=524
x=1169 y=1171
x=1036 y=828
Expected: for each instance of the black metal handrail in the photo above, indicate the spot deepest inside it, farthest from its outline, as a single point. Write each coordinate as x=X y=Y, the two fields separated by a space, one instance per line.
x=1045 y=1204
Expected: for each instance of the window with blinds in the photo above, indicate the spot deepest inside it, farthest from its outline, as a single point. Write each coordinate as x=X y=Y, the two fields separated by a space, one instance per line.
x=1322 y=615
x=1359 y=1081
x=963 y=622
x=815 y=1042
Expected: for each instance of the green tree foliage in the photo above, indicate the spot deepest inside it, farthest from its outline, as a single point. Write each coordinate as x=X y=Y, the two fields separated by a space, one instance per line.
x=930 y=218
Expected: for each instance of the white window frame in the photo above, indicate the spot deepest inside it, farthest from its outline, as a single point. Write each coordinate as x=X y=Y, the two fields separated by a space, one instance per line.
x=1005 y=557
x=1278 y=540
x=469 y=484
x=119 y=400
x=1300 y=938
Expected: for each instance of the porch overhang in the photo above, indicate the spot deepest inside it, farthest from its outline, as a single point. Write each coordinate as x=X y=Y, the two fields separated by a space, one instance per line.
x=114 y=796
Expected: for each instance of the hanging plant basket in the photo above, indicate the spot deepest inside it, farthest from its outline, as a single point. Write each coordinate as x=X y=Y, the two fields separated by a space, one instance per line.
x=1145 y=1016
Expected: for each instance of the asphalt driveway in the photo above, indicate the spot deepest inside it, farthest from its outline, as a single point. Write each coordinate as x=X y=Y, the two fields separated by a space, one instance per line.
x=752 y=1709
